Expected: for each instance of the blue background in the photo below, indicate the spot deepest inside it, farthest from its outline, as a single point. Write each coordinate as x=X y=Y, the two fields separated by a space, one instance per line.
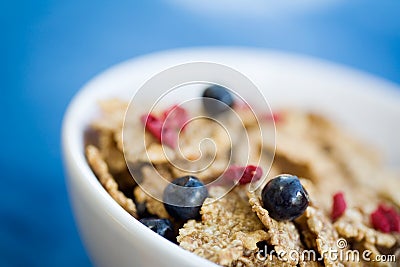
x=49 y=49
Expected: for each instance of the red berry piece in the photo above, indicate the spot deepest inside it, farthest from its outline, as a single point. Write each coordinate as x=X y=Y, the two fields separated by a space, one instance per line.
x=166 y=128
x=169 y=137
x=233 y=173
x=385 y=219
x=243 y=174
x=158 y=129
x=339 y=206
x=175 y=117
x=251 y=173
x=276 y=117
x=153 y=125
x=379 y=221
x=394 y=220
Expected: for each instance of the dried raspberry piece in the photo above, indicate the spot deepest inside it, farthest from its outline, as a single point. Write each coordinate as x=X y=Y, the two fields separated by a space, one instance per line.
x=152 y=124
x=158 y=129
x=394 y=220
x=169 y=137
x=243 y=174
x=166 y=128
x=275 y=116
x=175 y=117
x=339 y=206
x=233 y=173
x=379 y=221
x=385 y=219
x=251 y=173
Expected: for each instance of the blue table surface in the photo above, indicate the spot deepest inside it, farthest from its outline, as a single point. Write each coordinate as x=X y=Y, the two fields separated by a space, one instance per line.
x=51 y=48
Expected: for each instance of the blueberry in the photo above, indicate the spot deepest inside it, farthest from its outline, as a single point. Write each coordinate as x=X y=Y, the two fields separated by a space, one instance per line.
x=183 y=198
x=217 y=99
x=284 y=197
x=163 y=227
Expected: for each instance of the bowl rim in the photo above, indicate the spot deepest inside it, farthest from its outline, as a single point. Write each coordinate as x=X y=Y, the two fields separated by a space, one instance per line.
x=73 y=153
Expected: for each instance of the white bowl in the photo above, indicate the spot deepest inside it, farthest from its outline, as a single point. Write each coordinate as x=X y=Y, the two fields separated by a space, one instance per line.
x=368 y=106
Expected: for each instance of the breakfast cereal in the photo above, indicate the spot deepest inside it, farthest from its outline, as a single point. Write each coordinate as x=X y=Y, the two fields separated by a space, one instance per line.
x=236 y=229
